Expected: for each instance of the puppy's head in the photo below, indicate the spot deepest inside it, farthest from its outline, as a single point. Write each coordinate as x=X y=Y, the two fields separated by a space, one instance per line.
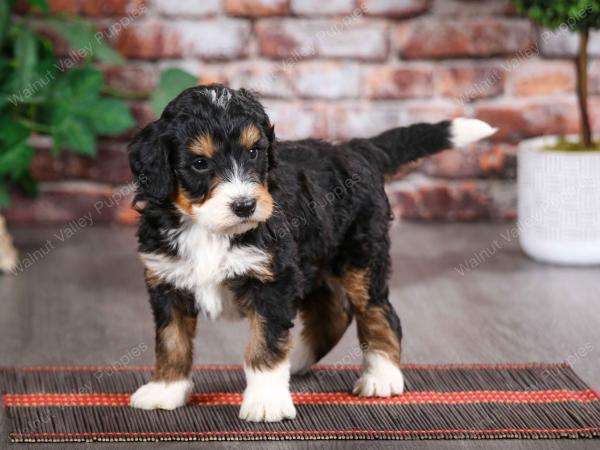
x=209 y=154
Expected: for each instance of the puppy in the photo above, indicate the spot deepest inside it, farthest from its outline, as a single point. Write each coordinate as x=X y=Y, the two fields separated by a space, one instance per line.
x=237 y=224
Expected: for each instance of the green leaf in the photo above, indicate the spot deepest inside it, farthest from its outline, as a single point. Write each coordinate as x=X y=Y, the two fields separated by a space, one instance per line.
x=25 y=48
x=172 y=82
x=77 y=135
x=104 y=53
x=4 y=20
x=15 y=160
x=29 y=185
x=4 y=195
x=79 y=34
x=82 y=84
x=109 y=116
x=12 y=133
x=42 y=5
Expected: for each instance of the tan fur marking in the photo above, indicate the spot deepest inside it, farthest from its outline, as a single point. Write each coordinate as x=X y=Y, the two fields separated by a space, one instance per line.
x=249 y=136
x=174 y=347
x=204 y=145
x=326 y=317
x=374 y=330
x=183 y=201
x=265 y=200
x=257 y=354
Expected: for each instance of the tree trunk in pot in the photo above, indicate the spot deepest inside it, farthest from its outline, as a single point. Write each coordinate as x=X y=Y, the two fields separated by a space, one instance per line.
x=8 y=254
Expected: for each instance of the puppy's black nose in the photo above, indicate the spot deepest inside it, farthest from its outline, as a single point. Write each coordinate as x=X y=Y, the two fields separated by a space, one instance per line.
x=244 y=207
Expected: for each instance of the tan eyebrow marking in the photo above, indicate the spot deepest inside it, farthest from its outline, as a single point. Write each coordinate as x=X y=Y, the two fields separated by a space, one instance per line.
x=204 y=145
x=249 y=136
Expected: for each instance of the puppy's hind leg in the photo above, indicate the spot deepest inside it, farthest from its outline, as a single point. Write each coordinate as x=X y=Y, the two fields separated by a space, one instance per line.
x=379 y=332
x=171 y=385
x=325 y=315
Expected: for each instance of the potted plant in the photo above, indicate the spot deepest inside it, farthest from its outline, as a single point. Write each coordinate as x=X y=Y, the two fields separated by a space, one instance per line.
x=559 y=177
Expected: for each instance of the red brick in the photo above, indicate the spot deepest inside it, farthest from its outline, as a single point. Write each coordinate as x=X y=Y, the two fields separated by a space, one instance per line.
x=125 y=213
x=111 y=7
x=110 y=166
x=431 y=200
x=71 y=7
x=516 y=121
x=472 y=8
x=149 y=40
x=188 y=8
x=214 y=39
x=396 y=82
x=351 y=121
x=211 y=74
x=268 y=79
x=348 y=37
x=322 y=8
x=257 y=8
x=480 y=160
x=393 y=8
x=327 y=80
x=142 y=113
x=430 y=112
x=594 y=77
x=466 y=83
x=62 y=203
x=296 y=120
x=443 y=38
x=137 y=78
x=543 y=78
x=457 y=163
x=561 y=43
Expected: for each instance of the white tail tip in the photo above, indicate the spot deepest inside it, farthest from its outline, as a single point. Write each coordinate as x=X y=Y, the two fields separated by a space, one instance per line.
x=466 y=131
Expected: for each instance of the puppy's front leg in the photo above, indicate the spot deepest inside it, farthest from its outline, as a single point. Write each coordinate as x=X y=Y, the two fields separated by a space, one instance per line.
x=267 y=396
x=171 y=385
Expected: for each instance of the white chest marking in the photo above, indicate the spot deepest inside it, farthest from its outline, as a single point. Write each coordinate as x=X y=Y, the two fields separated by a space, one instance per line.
x=204 y=261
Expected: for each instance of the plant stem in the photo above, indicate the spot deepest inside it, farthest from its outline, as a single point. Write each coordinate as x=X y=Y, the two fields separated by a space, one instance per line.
x=582 y=88
x=36 y=126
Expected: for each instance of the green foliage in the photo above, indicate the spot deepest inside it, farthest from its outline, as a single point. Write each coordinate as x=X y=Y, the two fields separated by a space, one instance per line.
x=39 y=94
x=577 y=15
x=172 y=82
x=66 y=99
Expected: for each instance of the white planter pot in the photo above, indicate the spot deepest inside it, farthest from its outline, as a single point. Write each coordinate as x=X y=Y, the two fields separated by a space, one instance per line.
x=559 y=203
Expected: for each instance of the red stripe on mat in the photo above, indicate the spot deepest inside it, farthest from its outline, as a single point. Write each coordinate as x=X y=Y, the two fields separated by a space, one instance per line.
x=563 y=365
x=306 y=432
x=315 y=398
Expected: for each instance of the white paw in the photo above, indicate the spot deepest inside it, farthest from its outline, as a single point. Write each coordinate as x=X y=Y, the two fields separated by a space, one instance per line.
x=268 y=407
x=267 y=396
x=161 y=395
x=382 y=378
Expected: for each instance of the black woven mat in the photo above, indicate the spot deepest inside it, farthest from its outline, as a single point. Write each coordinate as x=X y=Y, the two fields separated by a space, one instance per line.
x=74 y=404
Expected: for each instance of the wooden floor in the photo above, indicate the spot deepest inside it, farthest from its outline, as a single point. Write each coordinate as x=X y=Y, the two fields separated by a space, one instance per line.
x=84 y=303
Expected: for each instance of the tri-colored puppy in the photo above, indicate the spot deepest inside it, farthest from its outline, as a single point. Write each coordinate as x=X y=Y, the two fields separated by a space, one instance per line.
x=237 y=224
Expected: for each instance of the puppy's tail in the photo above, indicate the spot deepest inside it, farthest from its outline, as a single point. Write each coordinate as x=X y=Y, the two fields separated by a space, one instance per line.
x=393 y=148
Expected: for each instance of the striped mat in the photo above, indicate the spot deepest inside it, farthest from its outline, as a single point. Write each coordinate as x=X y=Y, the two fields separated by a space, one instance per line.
x=527 y=401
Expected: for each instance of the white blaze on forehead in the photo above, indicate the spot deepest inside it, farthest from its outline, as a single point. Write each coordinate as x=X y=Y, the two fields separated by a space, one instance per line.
x=221 y=98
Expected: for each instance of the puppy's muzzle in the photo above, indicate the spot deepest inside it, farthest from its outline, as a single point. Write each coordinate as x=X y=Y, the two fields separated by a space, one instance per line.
x=244 y=207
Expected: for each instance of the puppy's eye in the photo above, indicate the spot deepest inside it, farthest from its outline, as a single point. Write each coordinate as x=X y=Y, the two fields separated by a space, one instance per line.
x=200 y=164
x=253 y=153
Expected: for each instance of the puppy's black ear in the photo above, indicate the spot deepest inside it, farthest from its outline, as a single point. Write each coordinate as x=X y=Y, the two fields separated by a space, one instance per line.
x=272 y=147
x=149 y=162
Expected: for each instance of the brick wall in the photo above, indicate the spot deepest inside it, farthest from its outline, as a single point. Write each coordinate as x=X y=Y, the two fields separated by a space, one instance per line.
x=337 y=69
